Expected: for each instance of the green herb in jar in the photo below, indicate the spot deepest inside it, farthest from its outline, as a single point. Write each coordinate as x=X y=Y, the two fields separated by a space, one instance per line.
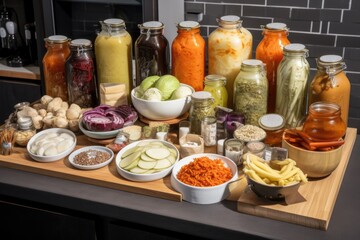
x=201 y=107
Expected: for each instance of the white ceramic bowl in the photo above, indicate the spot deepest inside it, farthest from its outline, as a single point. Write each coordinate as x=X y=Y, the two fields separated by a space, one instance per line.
x=54 y=157
x=161 y=110
x=91 y=167
x=144 y=177
x=203 y=195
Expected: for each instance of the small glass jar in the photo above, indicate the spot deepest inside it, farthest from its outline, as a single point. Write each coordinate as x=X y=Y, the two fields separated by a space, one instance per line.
x=273 y=124
x=215 y=84
x=324 y=122
x=330 y=84
x=208 y=130
x=251 y=90
x=58 y=51
x=234 y=150
x=201 y=107
x=256 y=148
x=25 y=131
x=151 y=51
x=80 y=74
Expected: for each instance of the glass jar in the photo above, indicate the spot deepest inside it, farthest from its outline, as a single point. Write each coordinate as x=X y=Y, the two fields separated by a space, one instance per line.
x=58 y=51
x=113 y=50
x=273 y=124
x=228 y=46
x=215 y=84
x=25 y=131
x=201 y=107
x=256 y=148
x=292 y=76
x=151 y=51
x=188 y=55
x=270 y=51
x=250 y=91
x=330 y=84
x=324 y=122
x=80 y=74
x=208 y=130
x=234 y=150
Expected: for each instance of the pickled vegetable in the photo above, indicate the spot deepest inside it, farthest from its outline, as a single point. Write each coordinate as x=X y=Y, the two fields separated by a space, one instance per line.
x=215 y=85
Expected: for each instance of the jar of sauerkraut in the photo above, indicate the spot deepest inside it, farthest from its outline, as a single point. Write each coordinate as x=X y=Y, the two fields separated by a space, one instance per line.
x=292 y=76
x=228 y=46
x=113 y=51
x=215 y=85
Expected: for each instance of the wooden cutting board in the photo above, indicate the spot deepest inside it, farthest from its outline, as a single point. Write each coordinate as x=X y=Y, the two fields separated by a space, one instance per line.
x=105 y=177
x=319 y=196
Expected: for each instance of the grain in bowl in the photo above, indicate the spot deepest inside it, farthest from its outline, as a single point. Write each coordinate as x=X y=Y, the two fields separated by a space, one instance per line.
x=249 y=133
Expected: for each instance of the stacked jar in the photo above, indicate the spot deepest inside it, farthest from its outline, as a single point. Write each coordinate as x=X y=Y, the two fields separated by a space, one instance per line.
x=58 y=51
x=80 y=74
x=270 y=52
x=113 y=50
x=228 y=46
x=151 y=51
x=188 y=55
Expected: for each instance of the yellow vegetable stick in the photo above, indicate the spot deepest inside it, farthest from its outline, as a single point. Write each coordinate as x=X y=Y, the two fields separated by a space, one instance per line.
x=291 y=173
x=252 y=174
x=265 y=167
x=263 y=173
x=288 y=168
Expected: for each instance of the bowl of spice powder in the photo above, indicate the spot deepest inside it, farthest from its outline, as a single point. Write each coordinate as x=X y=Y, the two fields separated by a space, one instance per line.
x=91 y=157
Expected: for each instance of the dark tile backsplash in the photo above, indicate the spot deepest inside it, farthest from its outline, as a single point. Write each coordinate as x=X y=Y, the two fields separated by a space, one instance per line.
x=324 y=26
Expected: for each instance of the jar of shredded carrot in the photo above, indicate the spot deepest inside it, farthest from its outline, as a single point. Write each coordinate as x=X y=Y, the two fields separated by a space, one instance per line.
x=58 y=50
x=270 y=51
x=188 y=55
x=228 y=46
x=324 y=122
x=330 y=84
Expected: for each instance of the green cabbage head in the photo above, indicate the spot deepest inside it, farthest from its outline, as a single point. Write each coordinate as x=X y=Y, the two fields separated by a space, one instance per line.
x=167 y=84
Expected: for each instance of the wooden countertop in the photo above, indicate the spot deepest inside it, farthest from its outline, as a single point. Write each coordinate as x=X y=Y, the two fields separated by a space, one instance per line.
x=29 y=72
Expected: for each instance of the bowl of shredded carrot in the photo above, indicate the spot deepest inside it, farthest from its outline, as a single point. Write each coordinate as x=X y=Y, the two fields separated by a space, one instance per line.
x=204 y=178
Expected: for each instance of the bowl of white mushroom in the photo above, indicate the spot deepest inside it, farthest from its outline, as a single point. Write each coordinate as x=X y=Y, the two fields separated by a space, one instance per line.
x=51 y=144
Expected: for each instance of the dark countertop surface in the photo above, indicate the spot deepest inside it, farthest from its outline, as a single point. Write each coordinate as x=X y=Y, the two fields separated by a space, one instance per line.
x=216 y=221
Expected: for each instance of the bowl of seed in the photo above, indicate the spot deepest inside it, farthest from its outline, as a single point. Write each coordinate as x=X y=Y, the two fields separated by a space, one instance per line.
x=91 y=157
x=249 y=133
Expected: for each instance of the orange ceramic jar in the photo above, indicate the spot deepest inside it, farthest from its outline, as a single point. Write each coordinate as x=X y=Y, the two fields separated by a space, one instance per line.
x=331 y=84
x=58 y=50
x=270 y=51
x=188 y=55
x=324 y=122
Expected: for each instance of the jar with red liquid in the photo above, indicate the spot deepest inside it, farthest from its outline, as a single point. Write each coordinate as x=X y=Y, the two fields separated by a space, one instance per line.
x=80 y=74
x=270 y=52
x=324 y=122
x=58 y=51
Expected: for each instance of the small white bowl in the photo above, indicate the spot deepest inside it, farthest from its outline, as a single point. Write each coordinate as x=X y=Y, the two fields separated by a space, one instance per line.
x=203 y=195
x=144 y=177
x=54 y=157
x=161 y=110
x=91 y=167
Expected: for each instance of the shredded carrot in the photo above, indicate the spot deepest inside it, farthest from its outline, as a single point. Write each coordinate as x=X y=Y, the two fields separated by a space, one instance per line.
x=204 y=172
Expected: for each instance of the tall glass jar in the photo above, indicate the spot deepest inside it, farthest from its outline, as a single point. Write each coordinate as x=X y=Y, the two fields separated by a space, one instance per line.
x=324 y=122
x=292 y=76
x=215 y=84
x=250 y=91
x=331 y=84
x=228 y=46
x=188 y=55
x=58 y=51
x=270 y=51
x=113 y=51
x=201 y=107
x=80 y=74
x=151 y=51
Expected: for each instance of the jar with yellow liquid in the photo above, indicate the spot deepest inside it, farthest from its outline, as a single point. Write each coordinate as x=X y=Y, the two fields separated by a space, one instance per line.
x=113 y=51
x=215 y=84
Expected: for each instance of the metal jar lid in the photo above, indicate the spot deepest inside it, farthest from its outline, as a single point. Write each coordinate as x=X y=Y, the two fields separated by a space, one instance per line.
x=188 y=25
x=294 y=47
x=271 y=121
x=201 y=95
x=57 y=39
x=276 y=26
x=114 y=22
x=152 y=25
x=80 y=43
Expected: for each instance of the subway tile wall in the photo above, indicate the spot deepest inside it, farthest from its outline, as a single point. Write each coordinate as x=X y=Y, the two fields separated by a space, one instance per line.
x=324 y=26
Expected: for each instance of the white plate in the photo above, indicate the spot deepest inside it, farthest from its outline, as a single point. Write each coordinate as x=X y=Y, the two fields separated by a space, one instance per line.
x=54 y=157
x=105 y=134
x=91 y=167
x=144 y=177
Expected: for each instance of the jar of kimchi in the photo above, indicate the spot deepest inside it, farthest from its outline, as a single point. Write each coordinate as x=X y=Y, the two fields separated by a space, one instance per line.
x=113 y=51
x=270 y=51
x=188 y=55
x=80 y=74
x=151 y=51
x=330 y=84
x=228 y=46
x=58 y=51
